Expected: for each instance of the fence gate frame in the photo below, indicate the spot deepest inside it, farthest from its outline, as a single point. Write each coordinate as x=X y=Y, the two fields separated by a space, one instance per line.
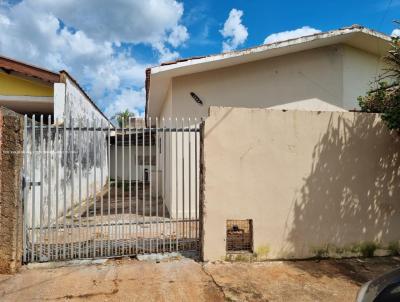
x=92 y=190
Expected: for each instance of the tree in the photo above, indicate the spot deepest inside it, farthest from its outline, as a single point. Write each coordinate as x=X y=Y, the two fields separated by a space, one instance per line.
x=384 y=96
x=123 y=117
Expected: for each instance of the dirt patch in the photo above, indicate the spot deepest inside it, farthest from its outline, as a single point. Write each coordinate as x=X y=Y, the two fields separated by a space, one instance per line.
x=187 y=280
x=324 y=280
x=119 y=280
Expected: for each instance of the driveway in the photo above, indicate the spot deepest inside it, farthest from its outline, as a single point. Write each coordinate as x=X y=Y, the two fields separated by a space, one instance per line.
x=187 y=280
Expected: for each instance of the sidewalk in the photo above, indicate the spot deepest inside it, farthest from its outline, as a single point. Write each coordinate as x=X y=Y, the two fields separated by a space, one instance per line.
x=187 y=280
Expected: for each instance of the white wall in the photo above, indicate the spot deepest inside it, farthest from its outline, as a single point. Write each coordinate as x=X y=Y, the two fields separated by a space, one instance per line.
x=122 y=160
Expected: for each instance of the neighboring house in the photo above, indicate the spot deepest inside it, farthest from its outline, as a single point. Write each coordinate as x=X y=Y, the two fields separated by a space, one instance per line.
x=326 y=71
x=32 y=90
x=322 y=72
x=28 y=89
x=25 y=88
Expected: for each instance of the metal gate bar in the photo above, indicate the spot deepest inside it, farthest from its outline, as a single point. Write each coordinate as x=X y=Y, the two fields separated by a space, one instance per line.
x=112 y=203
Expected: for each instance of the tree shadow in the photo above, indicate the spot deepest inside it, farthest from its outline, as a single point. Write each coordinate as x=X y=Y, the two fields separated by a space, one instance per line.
x=352 y=192
x=355 y=270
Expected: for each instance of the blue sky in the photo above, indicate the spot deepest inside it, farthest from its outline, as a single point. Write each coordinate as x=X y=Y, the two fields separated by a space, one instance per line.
x=107 y=44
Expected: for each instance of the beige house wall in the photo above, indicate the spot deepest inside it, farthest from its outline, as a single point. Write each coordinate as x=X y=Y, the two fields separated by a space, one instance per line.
x=336 y=75
x=180 y=187
x=178 y=152
x=360 y=68
x=307 y=179
x=166 y=151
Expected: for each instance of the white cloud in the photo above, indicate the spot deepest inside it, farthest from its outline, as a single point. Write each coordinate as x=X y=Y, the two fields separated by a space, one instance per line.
x=396 y=32
x=291 y=34
x=84 y=37
x=178 y=36
x=131 y=99
x=4 y=20
x=135 y=21
x=166 y=54
x=111 y=75
x=234 y=31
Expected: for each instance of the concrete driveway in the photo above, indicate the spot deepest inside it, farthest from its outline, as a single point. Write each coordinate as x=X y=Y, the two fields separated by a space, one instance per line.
x=187 y=280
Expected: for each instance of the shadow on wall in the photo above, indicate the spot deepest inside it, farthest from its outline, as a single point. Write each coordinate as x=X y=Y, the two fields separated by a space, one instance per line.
x=352 y=192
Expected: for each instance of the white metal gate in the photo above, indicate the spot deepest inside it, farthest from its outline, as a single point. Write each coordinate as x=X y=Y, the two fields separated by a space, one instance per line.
x=91 y=190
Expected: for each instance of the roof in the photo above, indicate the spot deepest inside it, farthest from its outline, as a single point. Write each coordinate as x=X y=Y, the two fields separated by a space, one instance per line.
x=160 y=76
x=12 y=65
x=9 y=65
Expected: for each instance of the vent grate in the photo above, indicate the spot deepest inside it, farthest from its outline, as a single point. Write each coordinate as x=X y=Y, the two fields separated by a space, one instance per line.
x=239 y=235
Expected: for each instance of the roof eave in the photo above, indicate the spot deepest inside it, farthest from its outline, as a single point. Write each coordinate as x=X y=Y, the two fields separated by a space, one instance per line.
x=29 y=70
x=181 y=63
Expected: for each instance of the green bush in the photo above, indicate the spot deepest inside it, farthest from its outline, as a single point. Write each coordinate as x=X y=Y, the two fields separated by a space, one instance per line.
x=384 y=95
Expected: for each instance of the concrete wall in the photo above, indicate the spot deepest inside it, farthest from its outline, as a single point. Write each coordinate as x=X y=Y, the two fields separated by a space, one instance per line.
x=120 y=158
x=11 y=137
x=57 y=164
x=70 y=104
x=78 y=106
x=307 y=179
x=119 y=153
x=177 y=166
x=319 y=79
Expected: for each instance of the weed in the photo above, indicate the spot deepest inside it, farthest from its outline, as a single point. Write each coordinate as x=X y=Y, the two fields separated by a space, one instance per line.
x=321 y=252
x=394 y=248
x=367 y=249
x=262 y=252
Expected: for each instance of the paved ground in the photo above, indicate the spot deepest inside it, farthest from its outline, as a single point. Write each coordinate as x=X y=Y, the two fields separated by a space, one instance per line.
x=186 y=280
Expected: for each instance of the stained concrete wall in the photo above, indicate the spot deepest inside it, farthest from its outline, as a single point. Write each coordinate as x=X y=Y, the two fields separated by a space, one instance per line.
x=11 y=137
x=71 y=103
x=76 y=104
x=54 y=165
x=307 y=179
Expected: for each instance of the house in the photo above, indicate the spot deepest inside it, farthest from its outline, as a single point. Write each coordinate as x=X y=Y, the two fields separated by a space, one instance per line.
x=58 y=98
x=326 y=71
x=321 y=72
x=29 y=89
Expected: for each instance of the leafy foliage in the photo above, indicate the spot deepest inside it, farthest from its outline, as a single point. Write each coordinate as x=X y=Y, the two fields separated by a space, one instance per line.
x=123 y=117
x=384 y=98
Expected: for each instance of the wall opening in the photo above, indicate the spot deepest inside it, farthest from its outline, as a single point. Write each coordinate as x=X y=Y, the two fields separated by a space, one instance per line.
x=239 y=236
